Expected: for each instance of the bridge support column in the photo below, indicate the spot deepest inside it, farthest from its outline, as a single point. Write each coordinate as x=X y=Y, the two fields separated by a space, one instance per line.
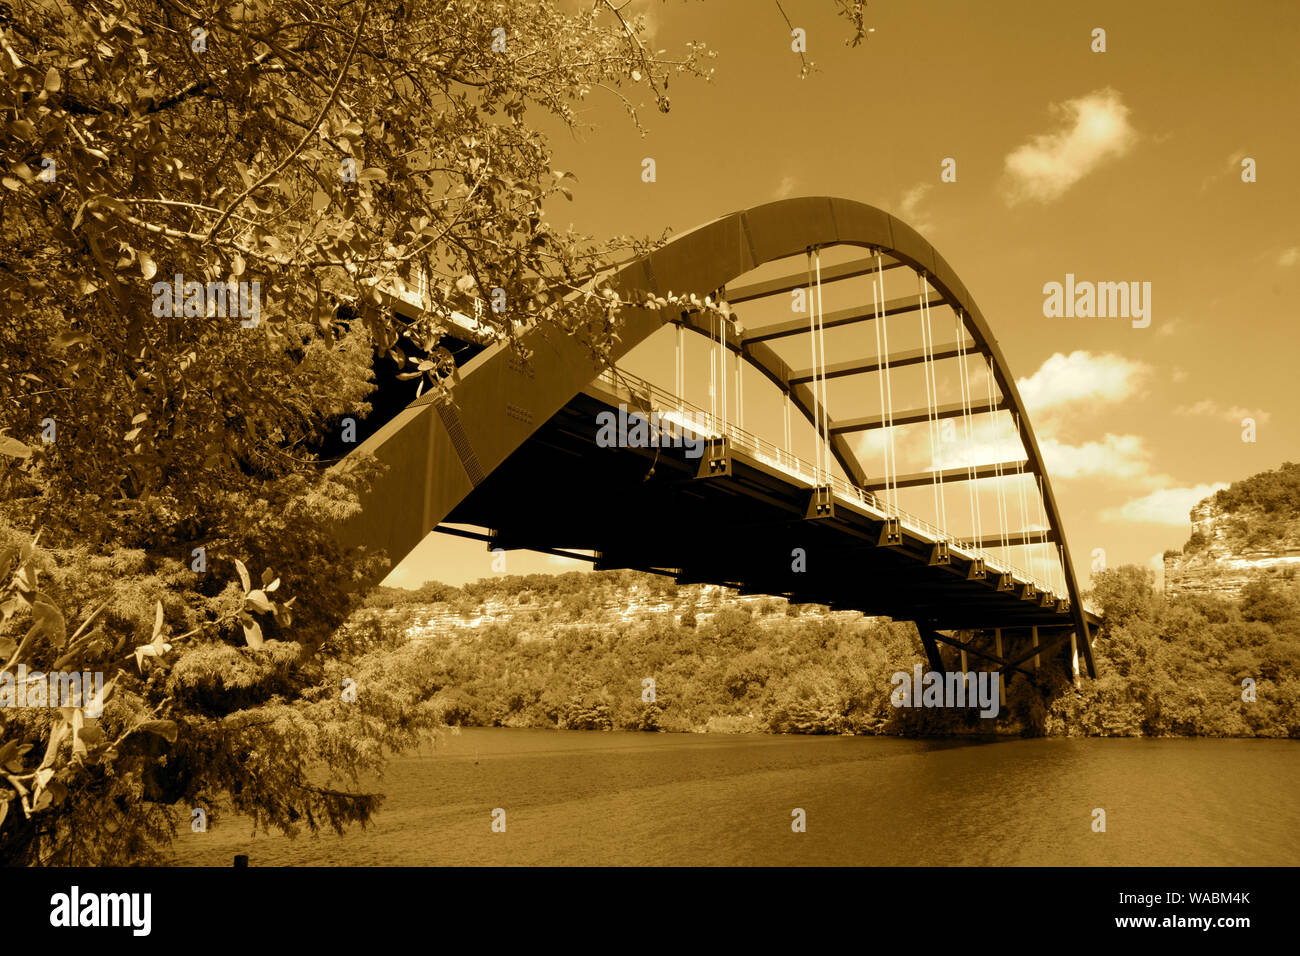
x=1074 y=657
x=1002 y=681
x=1087 y=646
x=931 y=649
x=1034 y=631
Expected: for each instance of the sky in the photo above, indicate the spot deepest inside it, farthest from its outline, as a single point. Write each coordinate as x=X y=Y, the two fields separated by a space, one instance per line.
x=1117 y=166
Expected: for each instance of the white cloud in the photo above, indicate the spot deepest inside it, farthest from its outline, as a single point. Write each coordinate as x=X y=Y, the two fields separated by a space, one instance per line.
x=1165 y=506
x=1231 y=168
x=1115 y=456
x=1289 y=257
x=1094 y=128
x=909 y=208
x=993 y=440
x=1070 y=380
x=785 y=188
x=1232 y=413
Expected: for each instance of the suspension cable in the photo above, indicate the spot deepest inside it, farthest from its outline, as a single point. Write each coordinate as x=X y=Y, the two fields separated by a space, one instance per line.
x=997 y=431
x=740 y=384
x=812 y=353
x=1024 y=515
x=880 y=379
x=679 y=368
x=1042 y=516
x=786 y=409
x=824 y=452
x=722 y=366
x=931 y=401
x=967 y=414
x=713 y=377
x=891 y=463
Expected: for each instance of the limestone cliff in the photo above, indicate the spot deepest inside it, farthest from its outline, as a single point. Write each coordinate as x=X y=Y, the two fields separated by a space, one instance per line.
x=1246 y=532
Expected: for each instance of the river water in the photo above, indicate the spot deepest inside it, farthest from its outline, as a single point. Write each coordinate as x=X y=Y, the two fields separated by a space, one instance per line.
x=582 y=798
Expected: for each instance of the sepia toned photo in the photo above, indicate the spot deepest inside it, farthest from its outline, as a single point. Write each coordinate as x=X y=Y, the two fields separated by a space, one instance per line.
x=648 y=433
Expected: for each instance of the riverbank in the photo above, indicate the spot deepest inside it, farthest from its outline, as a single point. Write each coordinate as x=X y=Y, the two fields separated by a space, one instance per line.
x=628 y=651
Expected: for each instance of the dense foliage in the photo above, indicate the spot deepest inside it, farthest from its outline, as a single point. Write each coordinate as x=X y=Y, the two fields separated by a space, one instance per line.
x=1259 y=512
x=306 y=156
x=1177 y=667
x=1270 y=491
x=557 y=651
x=205 y=211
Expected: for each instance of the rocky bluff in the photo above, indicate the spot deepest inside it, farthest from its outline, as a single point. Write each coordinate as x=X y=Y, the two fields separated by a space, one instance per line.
x=1246 y=532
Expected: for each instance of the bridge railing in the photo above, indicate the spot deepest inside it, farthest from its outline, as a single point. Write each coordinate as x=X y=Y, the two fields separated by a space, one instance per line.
x=706 y=424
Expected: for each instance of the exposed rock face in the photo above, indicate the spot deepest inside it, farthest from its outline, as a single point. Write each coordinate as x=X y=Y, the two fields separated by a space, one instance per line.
x=1218 y=559
x=623 y=605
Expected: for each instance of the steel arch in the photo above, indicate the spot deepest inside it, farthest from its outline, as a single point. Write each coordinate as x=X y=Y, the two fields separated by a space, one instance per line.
x=438 y=451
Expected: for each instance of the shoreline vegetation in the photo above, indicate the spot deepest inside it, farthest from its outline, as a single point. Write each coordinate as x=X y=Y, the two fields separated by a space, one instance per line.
x=571 y=651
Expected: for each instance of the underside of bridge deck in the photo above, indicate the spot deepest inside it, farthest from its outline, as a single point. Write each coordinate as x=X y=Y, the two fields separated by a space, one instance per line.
x=647 y=509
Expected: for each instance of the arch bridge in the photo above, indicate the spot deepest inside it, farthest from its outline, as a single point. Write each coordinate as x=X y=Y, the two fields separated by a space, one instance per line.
x=813 y=461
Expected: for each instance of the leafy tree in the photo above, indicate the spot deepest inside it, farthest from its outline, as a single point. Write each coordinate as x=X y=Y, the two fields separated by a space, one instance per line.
x=1262 y=600
x=1269 y=491
x=207 y=211
x=1124 y=592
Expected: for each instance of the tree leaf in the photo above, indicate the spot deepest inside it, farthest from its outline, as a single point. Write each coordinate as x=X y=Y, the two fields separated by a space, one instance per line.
x=69 y=338
x=257 y=599
x=253 y=635
x=148 y=268
x=14 y=448
x=158 y=620
x=49 y=619
x=8 y=755
x=143 y=651
x=243 y=575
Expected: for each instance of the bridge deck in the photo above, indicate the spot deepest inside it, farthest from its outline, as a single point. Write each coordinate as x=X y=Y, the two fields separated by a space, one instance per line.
x=644 y=508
